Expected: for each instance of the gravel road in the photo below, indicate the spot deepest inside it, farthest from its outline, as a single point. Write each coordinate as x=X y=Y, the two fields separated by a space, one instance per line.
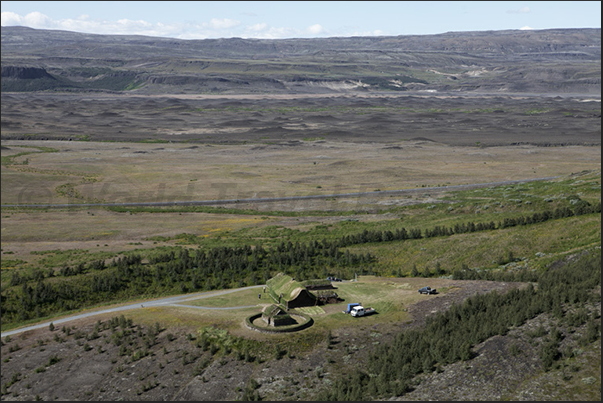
x=280 y=199
x=170 y=301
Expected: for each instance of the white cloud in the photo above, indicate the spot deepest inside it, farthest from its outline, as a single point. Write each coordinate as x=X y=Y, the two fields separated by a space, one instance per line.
x=212 y=28
x=522 y=10
x=37 y=19
x=223 y=23
x=33 y=20
x=315 y=29
x=264 y=31
x=273 y=33
x=526 y=28
x=376 y=32
x=216 y=27
x=11 y=19
x=129 y=24
x=258 y=27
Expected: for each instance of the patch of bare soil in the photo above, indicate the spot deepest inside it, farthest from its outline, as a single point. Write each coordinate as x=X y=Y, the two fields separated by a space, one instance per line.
x=90 y=360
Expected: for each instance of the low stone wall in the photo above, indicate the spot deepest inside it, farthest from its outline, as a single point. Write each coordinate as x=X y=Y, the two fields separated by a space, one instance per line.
x=285 y=329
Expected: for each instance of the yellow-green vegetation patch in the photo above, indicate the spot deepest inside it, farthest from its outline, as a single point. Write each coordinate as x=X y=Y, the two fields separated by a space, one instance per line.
x=388 y=299
x=12 y=263
x=228 y=299
x=311 y=310
x=487 y=249
x=100 y=235
x=14 y=157
x=29 y=188
x=191 y=317
x=98 y=224
x=368 y=292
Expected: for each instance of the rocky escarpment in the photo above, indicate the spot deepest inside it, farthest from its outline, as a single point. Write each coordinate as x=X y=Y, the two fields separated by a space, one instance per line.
x=550 y=61
x=21 y=72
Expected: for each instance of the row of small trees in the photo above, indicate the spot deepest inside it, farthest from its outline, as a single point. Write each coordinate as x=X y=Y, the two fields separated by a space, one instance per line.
x=401 y=234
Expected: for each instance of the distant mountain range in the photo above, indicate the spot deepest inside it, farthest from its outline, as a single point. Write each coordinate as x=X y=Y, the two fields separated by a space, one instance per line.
x=512 y=61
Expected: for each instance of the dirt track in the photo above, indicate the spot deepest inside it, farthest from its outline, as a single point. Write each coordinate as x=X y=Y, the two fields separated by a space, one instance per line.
x=435 y=189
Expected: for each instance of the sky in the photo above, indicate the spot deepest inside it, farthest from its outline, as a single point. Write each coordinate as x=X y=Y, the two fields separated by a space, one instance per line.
x=297 y=19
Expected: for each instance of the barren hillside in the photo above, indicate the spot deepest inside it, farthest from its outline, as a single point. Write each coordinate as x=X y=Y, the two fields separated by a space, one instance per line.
x=544 y=61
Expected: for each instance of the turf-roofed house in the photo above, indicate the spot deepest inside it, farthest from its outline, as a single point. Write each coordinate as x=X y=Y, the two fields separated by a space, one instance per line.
x=274 y=315
x=285 y=291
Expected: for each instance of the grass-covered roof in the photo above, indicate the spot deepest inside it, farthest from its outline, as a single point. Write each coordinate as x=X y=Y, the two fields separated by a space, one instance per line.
x=284 y=284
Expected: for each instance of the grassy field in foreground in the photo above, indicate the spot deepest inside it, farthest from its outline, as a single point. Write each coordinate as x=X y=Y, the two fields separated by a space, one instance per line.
x=389 y=296
x=232 y=299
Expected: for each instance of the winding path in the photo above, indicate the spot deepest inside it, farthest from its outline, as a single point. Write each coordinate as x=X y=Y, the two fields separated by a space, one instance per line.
x=169 y=301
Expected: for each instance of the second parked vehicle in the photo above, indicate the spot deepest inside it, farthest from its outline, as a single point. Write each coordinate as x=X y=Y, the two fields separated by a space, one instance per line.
x=427 y=290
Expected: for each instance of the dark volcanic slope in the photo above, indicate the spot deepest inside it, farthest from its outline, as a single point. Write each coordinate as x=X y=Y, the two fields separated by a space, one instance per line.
x=453 y=120
x=544 y=61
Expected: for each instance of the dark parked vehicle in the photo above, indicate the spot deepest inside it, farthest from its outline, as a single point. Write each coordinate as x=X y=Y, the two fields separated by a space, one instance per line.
x=427 y=290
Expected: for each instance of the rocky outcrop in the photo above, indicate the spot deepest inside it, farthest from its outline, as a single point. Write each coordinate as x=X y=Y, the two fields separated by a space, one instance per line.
x=21 y=72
